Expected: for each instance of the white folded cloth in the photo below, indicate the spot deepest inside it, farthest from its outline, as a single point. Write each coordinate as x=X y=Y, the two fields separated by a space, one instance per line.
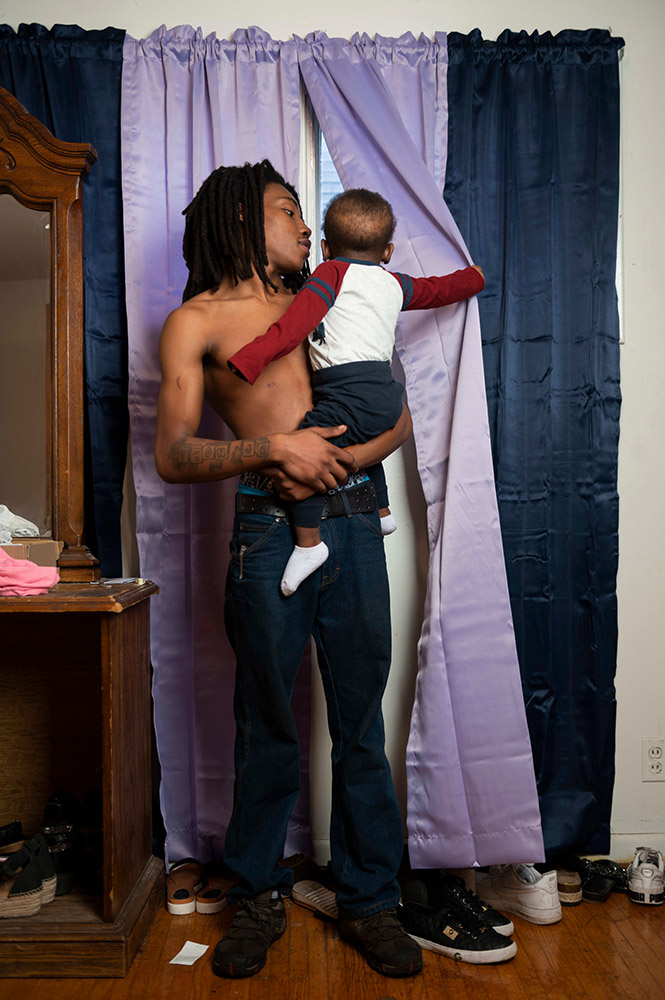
x=18 y=527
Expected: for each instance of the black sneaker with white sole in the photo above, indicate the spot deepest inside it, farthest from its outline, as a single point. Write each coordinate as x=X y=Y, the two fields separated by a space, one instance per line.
x=465 y=939
x=449 y=892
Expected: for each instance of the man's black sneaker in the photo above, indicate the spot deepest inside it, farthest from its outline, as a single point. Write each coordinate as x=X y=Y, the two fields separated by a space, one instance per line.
x=442 y=930
x=383 y=942
x=449 y=891
x=243 y=949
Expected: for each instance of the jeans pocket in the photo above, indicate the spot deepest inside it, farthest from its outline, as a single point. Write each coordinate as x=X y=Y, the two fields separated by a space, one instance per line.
x=251 y=533
x=373 y=523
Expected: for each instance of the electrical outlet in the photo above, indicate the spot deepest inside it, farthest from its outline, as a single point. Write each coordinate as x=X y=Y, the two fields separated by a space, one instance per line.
x=653 y=759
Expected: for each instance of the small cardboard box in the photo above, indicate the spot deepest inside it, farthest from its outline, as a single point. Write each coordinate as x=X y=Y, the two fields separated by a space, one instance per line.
x=41 y=551
x=16 y=550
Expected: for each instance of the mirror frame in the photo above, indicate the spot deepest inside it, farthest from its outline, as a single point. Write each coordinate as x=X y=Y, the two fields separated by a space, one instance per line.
x=46 y=174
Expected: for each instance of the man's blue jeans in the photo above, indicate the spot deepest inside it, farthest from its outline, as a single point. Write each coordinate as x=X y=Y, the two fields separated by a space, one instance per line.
x=345 y=605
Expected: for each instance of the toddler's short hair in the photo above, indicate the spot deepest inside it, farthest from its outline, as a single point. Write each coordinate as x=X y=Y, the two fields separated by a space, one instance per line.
x=358 y=220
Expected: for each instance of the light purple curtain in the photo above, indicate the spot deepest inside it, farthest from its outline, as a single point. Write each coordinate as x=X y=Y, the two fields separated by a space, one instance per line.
x=189 y=104
x=471 y=787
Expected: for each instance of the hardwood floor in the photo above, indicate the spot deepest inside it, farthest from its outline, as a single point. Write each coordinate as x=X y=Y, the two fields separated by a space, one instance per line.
x=600 y=951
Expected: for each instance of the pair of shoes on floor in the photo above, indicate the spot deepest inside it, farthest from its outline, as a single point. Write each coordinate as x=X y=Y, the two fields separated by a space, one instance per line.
x=597 y=879
x=189 y=888
x=258 y=922
x=27 y=877
x=438 y=912
x=523 y=890
x=646 y=877
x=446 y=917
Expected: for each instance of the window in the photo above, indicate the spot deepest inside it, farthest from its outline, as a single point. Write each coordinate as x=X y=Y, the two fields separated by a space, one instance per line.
x=319 y=181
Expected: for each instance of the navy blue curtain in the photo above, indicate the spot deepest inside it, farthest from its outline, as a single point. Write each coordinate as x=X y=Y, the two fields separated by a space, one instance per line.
x=532 y=181
x=70 y=80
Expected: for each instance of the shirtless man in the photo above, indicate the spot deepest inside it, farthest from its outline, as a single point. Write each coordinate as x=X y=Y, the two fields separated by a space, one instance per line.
x=246 y=247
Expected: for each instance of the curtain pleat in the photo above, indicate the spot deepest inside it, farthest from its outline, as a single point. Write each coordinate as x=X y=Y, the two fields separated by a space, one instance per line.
x=532 y=180
x=190 y=104
x=471 y=788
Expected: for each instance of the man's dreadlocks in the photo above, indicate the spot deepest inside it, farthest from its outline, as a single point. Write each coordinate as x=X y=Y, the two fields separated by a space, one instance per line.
x=219 y=242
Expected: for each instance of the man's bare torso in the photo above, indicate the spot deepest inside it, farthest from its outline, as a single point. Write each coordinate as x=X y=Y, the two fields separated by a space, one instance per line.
x=225 y=321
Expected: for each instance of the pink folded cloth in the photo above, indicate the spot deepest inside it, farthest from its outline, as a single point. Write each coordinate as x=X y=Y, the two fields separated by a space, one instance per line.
x=22 y=578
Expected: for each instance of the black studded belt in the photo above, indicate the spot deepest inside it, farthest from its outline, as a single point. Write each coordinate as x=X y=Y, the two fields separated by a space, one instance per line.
x=358 y=500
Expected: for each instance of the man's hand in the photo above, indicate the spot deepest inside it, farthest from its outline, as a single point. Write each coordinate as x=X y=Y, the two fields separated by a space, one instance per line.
x=307 y=463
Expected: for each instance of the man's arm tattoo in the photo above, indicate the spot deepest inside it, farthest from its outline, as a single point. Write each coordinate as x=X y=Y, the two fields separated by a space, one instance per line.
x=186 y=455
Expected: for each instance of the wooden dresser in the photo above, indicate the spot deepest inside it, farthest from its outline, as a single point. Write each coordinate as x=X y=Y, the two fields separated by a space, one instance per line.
x=75 y=715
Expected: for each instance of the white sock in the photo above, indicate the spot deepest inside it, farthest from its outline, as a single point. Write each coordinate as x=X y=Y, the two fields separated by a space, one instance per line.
x=302 y=563
x=388 y=524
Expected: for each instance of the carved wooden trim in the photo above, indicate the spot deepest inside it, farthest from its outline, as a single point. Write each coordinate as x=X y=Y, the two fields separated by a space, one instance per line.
x=44 y=173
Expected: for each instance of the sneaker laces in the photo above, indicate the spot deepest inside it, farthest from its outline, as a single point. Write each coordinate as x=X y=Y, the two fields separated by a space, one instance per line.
x=252 y=920
x=471 y=923
x=473 y=906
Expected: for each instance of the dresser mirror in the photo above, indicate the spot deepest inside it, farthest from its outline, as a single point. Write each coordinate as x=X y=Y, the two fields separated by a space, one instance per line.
x=25 y=337
x=41 y=331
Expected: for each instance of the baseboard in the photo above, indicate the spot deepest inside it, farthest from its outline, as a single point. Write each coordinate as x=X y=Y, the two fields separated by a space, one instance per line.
x=624 y=845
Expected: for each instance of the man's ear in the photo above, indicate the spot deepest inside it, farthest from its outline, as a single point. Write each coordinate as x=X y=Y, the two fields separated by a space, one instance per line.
x=325 y=250
x=241 y=214
x=387 y=253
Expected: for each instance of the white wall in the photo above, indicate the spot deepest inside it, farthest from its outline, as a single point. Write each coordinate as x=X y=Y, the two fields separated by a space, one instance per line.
x=639 y=809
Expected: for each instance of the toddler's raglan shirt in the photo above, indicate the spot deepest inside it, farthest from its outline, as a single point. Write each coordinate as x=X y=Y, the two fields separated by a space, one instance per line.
x=349 y=310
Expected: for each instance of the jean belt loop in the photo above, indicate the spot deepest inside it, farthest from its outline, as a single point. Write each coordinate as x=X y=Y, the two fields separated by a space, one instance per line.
x=345 y=501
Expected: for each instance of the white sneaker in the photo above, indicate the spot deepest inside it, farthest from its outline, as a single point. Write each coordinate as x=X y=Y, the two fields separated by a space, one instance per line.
x=523 y=890
x=646 y=877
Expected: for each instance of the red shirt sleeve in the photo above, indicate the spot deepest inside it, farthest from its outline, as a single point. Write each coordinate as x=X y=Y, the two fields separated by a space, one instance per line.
x=308 y=308
x=431 y=293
